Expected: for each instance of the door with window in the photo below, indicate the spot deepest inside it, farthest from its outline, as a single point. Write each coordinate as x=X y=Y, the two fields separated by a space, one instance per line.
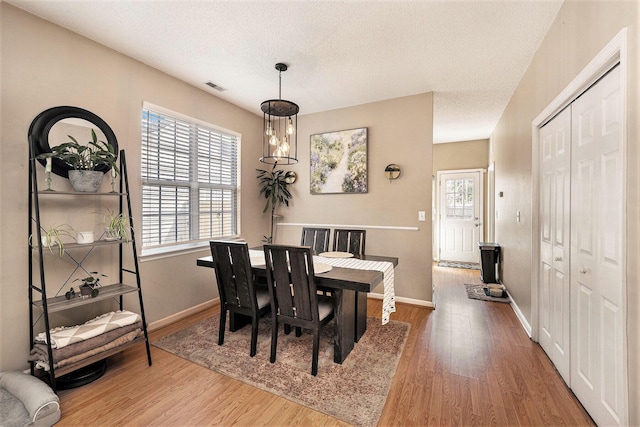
x=460 y=215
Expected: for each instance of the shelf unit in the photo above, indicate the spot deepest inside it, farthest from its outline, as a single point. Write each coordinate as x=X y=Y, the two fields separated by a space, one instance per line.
x=46 y=304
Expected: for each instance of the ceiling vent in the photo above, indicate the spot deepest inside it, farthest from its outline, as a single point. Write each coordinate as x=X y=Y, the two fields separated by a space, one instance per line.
x=215 y=86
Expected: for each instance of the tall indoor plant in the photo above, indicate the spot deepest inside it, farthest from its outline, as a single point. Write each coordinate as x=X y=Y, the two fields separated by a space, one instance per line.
x=275 y=188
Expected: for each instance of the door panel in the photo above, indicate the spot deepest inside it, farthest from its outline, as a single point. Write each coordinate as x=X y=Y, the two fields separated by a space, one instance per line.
x=597 y=231
x=555 y=163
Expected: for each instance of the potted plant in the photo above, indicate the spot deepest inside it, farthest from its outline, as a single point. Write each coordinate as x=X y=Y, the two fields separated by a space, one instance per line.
x=84 y=159
x=53 y=237
x=90 y=284
x=274 y=186
x=117 y=225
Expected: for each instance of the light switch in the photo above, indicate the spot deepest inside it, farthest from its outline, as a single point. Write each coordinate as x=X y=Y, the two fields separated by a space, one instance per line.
x=422 y=216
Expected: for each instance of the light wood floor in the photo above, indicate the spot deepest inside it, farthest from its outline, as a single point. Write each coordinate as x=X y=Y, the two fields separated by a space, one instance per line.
x=466 y=363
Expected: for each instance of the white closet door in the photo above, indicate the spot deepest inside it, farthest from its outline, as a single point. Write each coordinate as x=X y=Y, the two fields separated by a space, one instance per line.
x=555 y=181
x=597 y=264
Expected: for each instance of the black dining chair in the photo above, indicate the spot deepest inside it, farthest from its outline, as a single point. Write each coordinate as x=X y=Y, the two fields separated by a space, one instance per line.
x=238 y=293
x=292 y=290
x=316 y=238
x=352 y=241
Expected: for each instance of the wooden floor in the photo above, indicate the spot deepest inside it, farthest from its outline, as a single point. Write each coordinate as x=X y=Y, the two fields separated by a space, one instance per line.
x=466 y=363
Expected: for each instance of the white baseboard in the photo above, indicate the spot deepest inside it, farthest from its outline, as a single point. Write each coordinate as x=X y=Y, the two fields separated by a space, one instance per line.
x=523 y=320
x=412 y=301
x=182 y=314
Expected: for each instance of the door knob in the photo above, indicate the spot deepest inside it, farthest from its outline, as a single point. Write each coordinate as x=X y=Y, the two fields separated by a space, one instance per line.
x=558 y=259
x=583 y=271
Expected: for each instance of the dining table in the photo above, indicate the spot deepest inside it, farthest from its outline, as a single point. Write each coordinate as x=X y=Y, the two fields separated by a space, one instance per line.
x=348 y=286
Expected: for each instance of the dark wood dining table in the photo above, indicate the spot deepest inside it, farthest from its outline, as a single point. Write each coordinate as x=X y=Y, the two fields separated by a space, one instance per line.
x=349 y=288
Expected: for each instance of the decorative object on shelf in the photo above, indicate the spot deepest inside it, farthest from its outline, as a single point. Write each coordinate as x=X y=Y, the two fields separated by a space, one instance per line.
x=117 y=225
x=280 y=121
x=50 y=127
x=84 y=237
x=392 y=171
x=47 y=171
x=53 y=237
x=84 y=159
x=290 y=177
x=275 y=188
x=339 y=162
x=70 y=294
x=90 y=284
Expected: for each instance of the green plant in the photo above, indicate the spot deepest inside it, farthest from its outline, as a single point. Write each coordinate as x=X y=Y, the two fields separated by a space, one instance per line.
x=53 y=236
x=84 y=157
x=275 y=188
x=117 y=225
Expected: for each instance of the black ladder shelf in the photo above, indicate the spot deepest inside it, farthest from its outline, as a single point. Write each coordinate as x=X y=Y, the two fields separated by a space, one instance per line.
x=44 y=304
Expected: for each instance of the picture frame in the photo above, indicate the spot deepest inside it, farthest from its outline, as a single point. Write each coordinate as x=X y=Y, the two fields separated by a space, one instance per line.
x=339 y=162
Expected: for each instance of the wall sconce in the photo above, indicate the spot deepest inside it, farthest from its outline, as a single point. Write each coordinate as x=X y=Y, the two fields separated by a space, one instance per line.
x=392 y=171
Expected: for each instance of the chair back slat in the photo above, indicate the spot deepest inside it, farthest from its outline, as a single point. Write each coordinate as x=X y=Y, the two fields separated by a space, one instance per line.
x=316 y=238
x=352 y=241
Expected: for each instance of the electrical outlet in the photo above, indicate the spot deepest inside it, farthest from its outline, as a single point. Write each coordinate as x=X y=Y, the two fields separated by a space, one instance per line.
x=422 y=216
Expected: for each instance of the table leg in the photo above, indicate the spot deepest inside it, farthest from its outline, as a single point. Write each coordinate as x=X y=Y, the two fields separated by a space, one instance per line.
x=361 y=315
x=345 y=321
x=238 y=321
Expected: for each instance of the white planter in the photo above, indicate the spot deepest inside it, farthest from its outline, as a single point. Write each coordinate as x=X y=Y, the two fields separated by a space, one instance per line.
x=85 y=181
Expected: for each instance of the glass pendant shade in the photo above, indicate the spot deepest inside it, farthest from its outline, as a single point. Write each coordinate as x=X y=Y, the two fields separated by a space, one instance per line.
x=279 y=137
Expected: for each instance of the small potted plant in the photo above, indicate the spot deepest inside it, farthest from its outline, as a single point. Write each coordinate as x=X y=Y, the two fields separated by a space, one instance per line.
x=90 y=284
x=117 y=225
x=53 y=237
x=84 y=159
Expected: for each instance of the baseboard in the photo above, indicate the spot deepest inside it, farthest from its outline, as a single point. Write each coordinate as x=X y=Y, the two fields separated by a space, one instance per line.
x=523 y=320
x=182 y=315
x=411 y=301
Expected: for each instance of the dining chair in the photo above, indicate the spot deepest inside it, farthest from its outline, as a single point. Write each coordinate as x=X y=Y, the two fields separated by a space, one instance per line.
x=352 y=241
x=292 y=290
x=238 y=294
x=316 y=238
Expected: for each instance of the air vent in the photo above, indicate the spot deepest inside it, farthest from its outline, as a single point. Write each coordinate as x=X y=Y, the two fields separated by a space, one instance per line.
x=215 y=86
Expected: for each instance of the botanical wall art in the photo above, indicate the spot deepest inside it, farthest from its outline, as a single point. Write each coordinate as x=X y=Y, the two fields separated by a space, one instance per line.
x=339 y=162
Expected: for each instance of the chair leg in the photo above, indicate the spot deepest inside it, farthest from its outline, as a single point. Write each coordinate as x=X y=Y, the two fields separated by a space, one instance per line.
x=274 y=338
x=316 y=346
x=223 y=321
x=254 y=336
x=287 y=329
x=298 y=331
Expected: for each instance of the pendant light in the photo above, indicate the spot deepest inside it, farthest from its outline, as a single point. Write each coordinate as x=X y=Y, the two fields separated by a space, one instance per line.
x=280 y=120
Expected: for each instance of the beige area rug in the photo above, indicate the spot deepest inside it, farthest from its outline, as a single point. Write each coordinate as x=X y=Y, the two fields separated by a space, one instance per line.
x=354 y=392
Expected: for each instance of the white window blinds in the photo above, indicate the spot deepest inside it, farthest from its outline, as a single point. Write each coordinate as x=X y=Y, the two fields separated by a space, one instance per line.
x=189 y=181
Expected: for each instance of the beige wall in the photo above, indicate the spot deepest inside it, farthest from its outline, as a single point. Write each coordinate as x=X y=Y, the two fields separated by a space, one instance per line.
x=399 y=131
x=43 y=66
x=580 y=31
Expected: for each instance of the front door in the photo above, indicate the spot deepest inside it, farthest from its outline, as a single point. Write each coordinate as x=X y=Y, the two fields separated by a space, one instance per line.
x=460 y=215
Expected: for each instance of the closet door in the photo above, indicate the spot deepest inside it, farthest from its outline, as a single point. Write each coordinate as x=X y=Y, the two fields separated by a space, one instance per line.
x=597 y=264
x=555 y=182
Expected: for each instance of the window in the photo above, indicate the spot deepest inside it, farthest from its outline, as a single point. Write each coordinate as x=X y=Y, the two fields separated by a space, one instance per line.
x=190 y=188
x=459 y=194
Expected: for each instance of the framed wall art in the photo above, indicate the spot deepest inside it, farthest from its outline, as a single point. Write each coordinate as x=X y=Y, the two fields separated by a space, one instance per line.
x=339 y=162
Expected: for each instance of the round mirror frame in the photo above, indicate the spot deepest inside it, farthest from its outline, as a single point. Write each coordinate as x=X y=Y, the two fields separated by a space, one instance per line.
x=392 y=171
x=42 y=124
x=290 y=177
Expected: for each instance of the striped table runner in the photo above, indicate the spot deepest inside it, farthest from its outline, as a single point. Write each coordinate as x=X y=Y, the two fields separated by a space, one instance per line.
x=389 y=298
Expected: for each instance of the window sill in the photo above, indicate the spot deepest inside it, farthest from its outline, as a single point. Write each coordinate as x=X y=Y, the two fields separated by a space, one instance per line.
x=152 y=254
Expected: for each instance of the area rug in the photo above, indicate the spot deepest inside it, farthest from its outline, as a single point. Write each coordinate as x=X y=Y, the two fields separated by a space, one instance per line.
x=456 y=264
x=354 y=392
x=477 y=292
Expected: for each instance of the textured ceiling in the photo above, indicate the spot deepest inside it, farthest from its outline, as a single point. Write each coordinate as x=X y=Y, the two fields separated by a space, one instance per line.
x=471 y=54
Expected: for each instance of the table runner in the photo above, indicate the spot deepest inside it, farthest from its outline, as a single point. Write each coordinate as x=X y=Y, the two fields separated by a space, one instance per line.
x=389 y=298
